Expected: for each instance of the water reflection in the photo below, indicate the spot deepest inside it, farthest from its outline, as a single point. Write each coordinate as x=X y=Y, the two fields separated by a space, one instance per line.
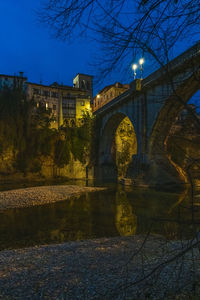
x=126 y=220
x=101 y=214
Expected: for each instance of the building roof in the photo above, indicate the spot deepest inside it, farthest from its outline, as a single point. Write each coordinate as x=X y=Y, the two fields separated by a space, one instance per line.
x=13 y=76
x=106 y=88
x=84 y=75
x=54 y=85
x=40 y=84
x=58 y=87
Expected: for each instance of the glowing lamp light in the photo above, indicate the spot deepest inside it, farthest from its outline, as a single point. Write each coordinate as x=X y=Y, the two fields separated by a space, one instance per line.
x=141 y=61
x=134 y=67
x=98 y=96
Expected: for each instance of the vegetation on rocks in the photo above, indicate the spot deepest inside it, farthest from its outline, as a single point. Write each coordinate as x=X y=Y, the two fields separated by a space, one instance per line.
x=25 y=130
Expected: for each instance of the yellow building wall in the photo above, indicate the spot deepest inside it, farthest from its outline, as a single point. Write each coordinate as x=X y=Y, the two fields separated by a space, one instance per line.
x=82 y=107
x=107 y=95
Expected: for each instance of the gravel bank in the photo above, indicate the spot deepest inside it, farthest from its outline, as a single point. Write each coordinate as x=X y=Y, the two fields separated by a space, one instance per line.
x=98 y=269
x=41 y=195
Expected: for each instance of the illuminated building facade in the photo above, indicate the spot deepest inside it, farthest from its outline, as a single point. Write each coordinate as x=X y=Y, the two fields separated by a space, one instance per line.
x=108 y=93
x=65 y=103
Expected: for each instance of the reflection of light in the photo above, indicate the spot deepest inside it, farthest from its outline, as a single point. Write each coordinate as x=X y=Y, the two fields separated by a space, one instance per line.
x=125 y=219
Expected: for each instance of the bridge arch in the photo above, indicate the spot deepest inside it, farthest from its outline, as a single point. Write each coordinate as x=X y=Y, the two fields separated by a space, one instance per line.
x=152 y=106
x=118 y=145
x=166 y=118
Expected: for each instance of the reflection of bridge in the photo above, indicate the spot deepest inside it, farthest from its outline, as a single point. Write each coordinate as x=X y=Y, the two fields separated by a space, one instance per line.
x=152 y=111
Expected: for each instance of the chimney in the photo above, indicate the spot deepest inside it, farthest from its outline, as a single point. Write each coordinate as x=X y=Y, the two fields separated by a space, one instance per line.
x=21 y=74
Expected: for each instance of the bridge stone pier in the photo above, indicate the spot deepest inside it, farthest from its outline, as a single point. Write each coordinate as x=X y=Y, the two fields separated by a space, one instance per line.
x=152 y=106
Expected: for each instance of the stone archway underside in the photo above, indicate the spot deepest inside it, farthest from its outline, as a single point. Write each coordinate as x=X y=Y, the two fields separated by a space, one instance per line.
x=118 y=145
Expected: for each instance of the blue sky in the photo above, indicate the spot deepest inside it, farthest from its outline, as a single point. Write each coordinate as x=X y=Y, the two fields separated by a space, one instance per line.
x=28 y=46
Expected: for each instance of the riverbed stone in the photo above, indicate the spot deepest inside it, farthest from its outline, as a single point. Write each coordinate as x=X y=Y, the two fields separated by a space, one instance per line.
x=107 y=268
x=41 y=195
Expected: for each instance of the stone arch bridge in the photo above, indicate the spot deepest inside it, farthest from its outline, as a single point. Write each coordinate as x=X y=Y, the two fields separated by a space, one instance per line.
x=152 y=106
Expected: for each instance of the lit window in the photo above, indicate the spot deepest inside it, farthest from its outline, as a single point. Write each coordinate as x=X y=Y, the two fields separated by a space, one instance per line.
x=47 y=105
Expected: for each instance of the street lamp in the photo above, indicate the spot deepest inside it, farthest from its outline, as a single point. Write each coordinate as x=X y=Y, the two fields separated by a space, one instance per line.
x=134 y=67
x=141 y=62
x=98 y=98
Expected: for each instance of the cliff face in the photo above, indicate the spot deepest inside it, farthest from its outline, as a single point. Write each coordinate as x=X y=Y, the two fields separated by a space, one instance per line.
x=7 y=162
x=74 y=169
x=47 y=168
x=68 y=155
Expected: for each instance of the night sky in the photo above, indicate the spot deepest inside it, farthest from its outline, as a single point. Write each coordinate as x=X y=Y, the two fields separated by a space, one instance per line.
x=27 y=45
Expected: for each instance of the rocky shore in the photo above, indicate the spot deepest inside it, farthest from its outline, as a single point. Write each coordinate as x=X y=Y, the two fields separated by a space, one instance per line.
x=115 y=268
x=41 y=195
x=134 y=267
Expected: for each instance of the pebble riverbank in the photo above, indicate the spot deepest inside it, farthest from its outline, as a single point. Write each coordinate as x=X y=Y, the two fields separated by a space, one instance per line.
x=41 y=195
x=134 y=267
x=115 y=268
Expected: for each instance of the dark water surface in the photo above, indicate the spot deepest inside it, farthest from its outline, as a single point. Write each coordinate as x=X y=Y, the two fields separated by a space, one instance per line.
x=116 y=212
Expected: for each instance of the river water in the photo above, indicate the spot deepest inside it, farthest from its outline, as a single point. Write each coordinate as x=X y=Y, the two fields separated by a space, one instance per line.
x=118 y=211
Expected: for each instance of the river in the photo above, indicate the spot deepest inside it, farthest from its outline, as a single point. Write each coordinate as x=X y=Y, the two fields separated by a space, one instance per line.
x=118 y=211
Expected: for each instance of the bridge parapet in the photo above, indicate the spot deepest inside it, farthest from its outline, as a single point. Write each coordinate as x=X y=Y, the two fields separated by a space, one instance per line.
x=183 y=59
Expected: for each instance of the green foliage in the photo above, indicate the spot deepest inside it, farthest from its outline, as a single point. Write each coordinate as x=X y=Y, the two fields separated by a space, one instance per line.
x=79 y=138
x=61 y=153
x=36 y=166
x=26 y=130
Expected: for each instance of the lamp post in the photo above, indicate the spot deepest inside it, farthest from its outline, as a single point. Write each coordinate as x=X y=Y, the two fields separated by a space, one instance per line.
x=98 y=100
x=141 y=62
x=134 y=67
